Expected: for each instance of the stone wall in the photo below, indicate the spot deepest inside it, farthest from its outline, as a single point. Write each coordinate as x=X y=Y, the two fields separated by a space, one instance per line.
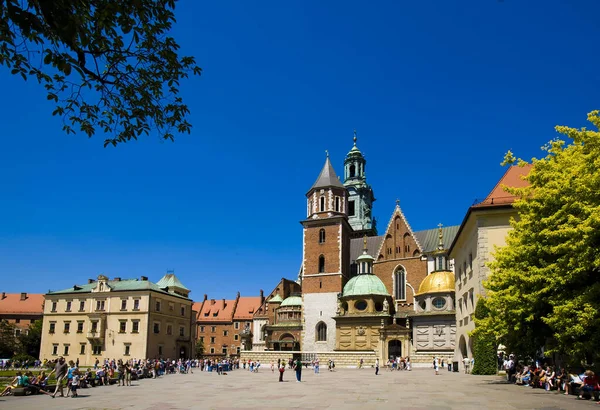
x=341 y=359
x=319 y=307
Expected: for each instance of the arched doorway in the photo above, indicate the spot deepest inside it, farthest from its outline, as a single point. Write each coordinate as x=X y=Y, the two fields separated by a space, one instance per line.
x=462 y=346
x=287 y=342
x=394 y=349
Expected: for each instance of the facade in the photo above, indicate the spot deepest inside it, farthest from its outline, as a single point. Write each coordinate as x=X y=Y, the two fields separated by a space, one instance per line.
x=220 y=324
x=21 y=310
x=118 y=318
x=484 y=227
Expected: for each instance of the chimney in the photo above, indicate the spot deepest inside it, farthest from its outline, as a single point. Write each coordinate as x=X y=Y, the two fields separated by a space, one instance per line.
x=224 y=304
x=91 y=280
x=212 y=301
x=238 y=295
x=262 y=296
x=205 y=297
x=3 y=295
x=117 y=279
x=144 y=277
x=23 y=295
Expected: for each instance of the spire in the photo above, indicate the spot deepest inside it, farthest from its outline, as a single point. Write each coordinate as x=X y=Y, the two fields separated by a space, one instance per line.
x=327 y=177
x=441 y=237
x=355 y=138
x=365 y=244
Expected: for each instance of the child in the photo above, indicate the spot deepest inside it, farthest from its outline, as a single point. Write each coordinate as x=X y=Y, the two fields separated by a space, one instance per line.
x=74 y=383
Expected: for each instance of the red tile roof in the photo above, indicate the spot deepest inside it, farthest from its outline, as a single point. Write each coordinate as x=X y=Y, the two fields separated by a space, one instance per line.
x=11 y=304
x=216 y=310
x=246 y=307
x=513 y=177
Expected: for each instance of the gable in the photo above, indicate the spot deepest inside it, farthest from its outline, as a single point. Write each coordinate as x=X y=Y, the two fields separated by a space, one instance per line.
x=399 y=240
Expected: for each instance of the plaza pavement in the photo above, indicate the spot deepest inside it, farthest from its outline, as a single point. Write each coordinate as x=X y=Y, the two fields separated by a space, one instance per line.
x=342 y=389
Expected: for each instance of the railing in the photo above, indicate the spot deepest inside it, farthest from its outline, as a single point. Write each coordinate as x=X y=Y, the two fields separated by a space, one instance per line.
x=498 y=200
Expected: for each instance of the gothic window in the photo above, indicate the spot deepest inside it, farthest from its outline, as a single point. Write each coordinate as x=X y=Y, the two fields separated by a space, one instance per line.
x=400 y=284
x=352 y=171
x=322 y=204
x=351 y=210
x=337 y=204
x=321 y=332
x=321 y=264
x=322 y=236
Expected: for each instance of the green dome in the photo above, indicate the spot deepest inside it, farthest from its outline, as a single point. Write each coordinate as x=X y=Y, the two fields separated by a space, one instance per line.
x=365 y=285
x=292 y=301
x=276 y=298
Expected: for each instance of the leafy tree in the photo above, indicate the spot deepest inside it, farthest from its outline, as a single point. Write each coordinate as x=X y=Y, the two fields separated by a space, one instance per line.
x=199 y=349
x=484 y=343
x=8 y=342
x=108 y=65
x=30 y=342
x=544 y=287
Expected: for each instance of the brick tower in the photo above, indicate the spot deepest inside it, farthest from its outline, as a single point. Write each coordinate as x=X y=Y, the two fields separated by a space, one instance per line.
x=326 y=258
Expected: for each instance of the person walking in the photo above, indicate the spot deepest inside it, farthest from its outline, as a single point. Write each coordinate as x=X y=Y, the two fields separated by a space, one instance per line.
x=298 y=368
x=60 y=370
x=281 y=370
x=316 y=365
x=376 y=367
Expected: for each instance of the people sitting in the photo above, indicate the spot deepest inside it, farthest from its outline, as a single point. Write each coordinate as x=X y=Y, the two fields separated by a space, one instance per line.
x=16 y=382
x=590 y=386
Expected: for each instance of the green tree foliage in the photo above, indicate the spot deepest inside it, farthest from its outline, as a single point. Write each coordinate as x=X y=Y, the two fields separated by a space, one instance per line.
x=544 y=287
x=108 y=65
x=199 y=349
x=484 y=343
x=8 y=342
x=30 y=342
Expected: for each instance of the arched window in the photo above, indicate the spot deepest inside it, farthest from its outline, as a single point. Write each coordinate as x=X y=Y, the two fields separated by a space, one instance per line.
x=337 y=204
x=352 y=171
x=321 y=264
x=321 y=332
x=322 y=204
x=400 y=284
x=322 y=236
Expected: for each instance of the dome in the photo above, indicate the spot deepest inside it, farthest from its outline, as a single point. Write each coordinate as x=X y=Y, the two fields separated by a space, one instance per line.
x=365 y=285
x=442 y=281
x=276 y=298
x=292 y=301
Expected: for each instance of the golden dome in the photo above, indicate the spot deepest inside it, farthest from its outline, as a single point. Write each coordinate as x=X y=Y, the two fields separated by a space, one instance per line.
x=441 y=281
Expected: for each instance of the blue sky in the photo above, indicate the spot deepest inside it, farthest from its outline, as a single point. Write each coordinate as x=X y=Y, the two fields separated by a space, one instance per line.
x=438 y=91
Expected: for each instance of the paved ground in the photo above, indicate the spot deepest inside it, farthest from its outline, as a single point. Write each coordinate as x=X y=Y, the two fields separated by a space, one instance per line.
x=342 y=389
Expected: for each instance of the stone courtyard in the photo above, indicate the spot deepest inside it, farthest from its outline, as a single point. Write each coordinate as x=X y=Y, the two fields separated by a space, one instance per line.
x=342 y=389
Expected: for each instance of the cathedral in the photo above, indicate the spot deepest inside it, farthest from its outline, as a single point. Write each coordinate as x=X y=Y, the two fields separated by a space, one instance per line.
x=358 y=293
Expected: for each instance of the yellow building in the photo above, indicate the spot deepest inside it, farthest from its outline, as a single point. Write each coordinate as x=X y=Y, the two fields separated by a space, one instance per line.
x=485 y=226
x=118 y=319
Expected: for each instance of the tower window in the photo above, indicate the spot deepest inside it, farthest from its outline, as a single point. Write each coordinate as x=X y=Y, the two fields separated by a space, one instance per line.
x=352 y=171
x=400 y=284
x=322 y=204
x=321 y=332
x=321 y=264
x=350 y=208
x=322 y=236
x=337 y=204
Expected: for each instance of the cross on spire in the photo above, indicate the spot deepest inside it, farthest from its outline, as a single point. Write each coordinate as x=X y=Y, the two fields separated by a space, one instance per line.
x=355 y=138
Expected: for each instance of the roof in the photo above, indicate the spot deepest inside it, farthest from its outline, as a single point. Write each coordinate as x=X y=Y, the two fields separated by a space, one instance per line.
x=513 y=177
x=216 y=310
x=276 y=298
x=170 y=281
x=429 y=238
x=246 y=307
x=365 y=284
x=11 y=303
x=116 y=286
x=327 y=177
x=196 y=306
x=291 y=301
x=357 y=245
x=436 y=282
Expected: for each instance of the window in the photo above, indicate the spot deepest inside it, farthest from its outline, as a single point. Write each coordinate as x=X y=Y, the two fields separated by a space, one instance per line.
x=67 y=328
x=360 y=305
x=181 y=331
x=156 y=327
x=238 y=350
x=212 y=340
x=213 y=329
x=350 y=208
x=53 y=307
x=225 y=332
x=439 y=303
x=470 y=261
x=423 y=304
x=123 y=304
x=81 y=305
x=400 y=284
x=135 y=326
x=236 y=325
x=224 y=350
x=96 y=350
x=322 y=236
x=202 y=329
x=171 y=307
x=160 y=350
x=17 y=332
x=236 y=337
x=136 y=304
x=169 y=329
x=82 y=348
x=17 y=320
x=100 y=305
x=337 y=204
x=202 y=339
x=212 y=350
x=215 y=314
x=322 y=202
x=183 y=311
x=157 y=306
x=52 y=327
x=94 y=327
x=321 y=332
x=80 y=326
x=68 y=309
x=127 y=349
x=66 y=351
x=122 y=326
x=54 y=349
x=321 y=264
x=352 y=171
